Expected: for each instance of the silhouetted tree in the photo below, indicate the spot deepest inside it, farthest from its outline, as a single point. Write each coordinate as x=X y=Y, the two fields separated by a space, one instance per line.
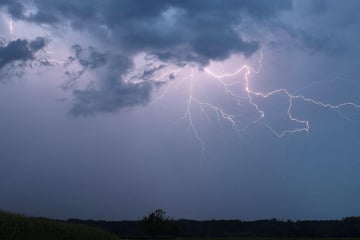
x=157 y=224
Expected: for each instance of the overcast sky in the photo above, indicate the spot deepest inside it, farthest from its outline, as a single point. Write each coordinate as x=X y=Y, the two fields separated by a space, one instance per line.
x=245 y=109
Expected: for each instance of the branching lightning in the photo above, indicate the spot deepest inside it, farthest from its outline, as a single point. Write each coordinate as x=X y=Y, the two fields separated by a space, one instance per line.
x=222 y=115
x=188 y=114
x=239 y=90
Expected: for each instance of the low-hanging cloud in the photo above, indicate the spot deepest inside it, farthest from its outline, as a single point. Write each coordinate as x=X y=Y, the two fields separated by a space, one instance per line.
x=186 y=30
x=111 y=92
x=176 y=31
x=20 y=50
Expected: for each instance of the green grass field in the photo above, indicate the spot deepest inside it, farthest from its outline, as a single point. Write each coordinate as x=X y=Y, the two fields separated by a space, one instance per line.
x=17 y=227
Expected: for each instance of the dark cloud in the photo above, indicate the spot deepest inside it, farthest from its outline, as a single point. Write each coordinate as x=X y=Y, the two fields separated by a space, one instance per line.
x=319 y=6
x=148 y=73
x=185 y=30
x=20 y=50
x=111 y=98
x=326 y=27
x=324 y=43
x=90 y=58
x=177 y=31
x=15 y=8
x=112 y=92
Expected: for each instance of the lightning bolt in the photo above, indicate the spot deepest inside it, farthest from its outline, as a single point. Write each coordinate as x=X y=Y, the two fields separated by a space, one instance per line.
x=291 y=96
x=11 y=27
x=163 y=78
x=246 y=71
x=47 y=59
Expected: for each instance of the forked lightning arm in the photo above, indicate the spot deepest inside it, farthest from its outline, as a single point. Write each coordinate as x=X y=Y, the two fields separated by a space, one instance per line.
x=247 y=71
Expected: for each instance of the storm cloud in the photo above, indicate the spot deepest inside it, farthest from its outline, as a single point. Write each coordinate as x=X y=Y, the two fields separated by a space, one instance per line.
x=173 y=31
x=111 y=92
x=20 y=50
x=182 y=30
x=176 y=31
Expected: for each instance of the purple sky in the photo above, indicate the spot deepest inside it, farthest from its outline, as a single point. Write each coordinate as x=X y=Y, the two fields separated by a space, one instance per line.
x=206 y=109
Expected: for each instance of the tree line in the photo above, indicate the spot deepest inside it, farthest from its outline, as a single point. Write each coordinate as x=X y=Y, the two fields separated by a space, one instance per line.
x=156 y=224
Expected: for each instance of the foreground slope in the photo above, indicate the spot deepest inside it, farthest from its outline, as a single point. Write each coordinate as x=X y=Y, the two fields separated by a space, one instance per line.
x=17 y=227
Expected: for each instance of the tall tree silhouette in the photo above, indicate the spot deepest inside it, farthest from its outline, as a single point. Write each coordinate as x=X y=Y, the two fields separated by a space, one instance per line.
x=157 y=224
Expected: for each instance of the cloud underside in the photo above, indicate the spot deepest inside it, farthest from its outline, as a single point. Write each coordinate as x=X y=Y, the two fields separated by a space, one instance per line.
x=20 y=50
x=176 y=31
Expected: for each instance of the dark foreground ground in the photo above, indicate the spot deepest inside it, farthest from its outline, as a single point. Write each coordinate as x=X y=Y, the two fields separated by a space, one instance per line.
x=345 y=228
x=18 y=227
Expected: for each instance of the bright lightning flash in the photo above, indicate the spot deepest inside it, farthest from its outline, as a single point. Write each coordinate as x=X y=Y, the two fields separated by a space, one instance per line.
x=11 y=27
x=251 y=94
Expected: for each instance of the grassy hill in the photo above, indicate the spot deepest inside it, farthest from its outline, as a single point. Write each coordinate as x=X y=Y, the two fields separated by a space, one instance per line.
x=17 y=227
